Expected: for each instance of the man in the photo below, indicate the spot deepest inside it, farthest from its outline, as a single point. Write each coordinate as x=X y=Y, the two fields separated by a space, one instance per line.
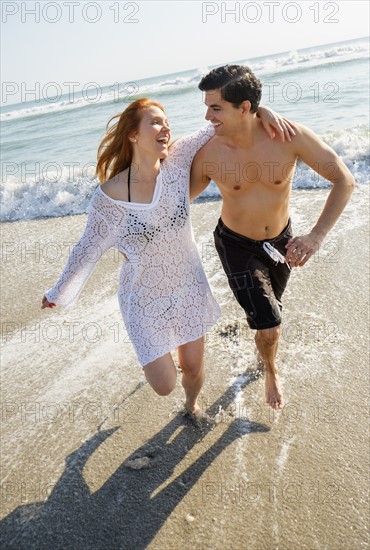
x=254 y=175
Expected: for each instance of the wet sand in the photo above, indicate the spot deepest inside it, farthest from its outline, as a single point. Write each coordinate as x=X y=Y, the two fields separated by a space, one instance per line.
x=92 y=459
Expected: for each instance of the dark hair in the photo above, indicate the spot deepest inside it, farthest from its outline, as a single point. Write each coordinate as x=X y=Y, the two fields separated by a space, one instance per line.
x=237 y=83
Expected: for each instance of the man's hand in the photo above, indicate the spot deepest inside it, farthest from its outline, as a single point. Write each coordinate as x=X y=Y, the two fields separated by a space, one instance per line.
x=300 y=249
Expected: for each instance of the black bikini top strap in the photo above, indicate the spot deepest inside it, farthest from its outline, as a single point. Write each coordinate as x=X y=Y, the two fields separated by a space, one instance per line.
x=128 y=183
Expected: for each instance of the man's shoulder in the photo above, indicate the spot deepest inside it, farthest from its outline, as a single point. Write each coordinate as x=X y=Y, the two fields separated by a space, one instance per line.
x=311 y=148
x=305 y=138
x=304 y=132
x=209 y=149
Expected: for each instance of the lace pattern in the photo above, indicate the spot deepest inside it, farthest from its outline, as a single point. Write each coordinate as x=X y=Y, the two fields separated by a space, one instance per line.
x=163 y=292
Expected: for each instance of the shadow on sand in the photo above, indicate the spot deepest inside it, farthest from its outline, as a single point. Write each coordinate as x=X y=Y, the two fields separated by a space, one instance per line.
x=122 y=514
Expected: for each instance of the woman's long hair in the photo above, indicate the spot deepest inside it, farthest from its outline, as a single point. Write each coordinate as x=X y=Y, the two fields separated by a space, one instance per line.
x=115 y=150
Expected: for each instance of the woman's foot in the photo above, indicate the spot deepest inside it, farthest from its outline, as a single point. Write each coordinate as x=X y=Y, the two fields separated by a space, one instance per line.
x=198 y=416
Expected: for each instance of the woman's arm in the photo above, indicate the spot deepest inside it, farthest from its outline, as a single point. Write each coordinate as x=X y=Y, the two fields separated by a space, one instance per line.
x=95 y=240
x=274 y=123
x=183 y=150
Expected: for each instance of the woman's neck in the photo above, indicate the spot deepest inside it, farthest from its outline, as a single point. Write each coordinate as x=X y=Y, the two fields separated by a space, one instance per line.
x=145 y=169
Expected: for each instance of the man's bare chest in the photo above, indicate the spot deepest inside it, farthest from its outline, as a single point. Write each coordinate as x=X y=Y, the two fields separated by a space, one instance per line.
x=242 y=172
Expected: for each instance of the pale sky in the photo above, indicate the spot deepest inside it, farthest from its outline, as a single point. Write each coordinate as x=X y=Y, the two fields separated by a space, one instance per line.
x=113 y=41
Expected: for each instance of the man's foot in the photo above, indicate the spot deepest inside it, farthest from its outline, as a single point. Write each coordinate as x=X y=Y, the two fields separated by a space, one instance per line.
x=273 y=394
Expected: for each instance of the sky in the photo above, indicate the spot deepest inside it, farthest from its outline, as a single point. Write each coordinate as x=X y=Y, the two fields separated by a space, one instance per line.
x=112 y=41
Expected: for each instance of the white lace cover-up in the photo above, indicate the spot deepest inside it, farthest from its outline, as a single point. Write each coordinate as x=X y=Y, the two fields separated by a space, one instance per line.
x=164 y=295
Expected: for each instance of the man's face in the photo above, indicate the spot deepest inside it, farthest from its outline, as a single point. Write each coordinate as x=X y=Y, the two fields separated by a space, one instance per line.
x=226 y=119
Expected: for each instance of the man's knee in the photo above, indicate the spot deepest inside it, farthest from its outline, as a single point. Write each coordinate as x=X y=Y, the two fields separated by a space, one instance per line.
x=268 y=336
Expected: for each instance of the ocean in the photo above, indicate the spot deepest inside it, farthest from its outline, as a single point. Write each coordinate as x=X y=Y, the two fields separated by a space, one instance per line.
x=49 y=146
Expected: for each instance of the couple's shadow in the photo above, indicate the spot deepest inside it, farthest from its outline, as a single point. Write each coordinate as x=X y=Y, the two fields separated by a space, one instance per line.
x=130 y=508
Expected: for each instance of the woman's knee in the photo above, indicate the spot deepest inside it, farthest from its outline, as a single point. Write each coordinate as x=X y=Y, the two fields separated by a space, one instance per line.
x=162 y=389
x=161 y=375
x=163 y=386
x=191 y=357
x=192 y=368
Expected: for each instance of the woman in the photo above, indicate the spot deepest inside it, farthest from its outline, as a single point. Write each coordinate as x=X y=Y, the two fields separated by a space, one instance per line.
x=143 y=211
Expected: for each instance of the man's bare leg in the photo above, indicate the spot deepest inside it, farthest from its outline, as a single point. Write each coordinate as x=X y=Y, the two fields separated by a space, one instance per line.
x=267 y=341
x=259 y=361
x=191 y=360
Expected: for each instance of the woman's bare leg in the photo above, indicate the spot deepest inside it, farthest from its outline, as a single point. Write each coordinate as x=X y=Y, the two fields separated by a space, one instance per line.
x=161 y=374
x=191 y=360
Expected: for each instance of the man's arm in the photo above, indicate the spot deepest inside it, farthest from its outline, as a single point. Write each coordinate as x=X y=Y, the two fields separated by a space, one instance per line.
x=198 y=178
x=321 y=158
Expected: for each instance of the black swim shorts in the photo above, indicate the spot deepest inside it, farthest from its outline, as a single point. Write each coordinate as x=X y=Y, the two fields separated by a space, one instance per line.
x=257 y=281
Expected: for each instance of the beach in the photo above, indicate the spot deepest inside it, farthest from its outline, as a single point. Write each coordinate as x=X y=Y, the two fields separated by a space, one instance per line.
x=93 y=459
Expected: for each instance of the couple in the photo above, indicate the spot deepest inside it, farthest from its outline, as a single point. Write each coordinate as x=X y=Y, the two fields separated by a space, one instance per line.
x=142 y=209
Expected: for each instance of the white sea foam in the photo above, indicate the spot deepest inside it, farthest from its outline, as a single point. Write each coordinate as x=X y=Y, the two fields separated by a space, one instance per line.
x=61 y=195
x=41 y=197
x=282 y=458
x=96 y=351
x=72 y=379
x=295 y=59
x=43 y=108
x=114 y=94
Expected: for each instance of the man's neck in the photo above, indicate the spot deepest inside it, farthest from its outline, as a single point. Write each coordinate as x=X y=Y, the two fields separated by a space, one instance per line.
x=248 y=135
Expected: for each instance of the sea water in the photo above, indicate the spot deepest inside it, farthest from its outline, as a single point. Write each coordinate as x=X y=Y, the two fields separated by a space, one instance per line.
x=49 y=146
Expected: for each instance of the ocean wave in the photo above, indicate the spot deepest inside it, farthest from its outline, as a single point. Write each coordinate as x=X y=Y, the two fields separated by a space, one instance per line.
x=55 y=194
x=119 y=93
x=42 y=108
x=111 y=97
x=63 y=194
x=294 y=60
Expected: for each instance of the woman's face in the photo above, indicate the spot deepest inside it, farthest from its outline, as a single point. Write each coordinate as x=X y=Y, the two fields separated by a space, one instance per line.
x=154 y=134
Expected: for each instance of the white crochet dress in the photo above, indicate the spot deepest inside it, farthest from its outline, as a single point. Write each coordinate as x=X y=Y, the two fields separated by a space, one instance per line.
x=164 y=295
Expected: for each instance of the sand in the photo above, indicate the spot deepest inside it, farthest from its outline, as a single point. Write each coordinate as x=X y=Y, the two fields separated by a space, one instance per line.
x=93 y=459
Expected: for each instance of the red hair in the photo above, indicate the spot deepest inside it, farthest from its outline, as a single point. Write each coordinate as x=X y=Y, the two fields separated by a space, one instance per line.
x=115 y=150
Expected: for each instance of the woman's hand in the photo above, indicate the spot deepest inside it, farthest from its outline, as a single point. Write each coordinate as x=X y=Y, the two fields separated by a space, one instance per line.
x=46 y=303
x=274 y=123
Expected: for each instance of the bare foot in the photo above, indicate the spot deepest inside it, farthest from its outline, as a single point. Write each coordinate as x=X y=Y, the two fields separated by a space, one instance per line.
x=199 y=417
x=273 y=394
